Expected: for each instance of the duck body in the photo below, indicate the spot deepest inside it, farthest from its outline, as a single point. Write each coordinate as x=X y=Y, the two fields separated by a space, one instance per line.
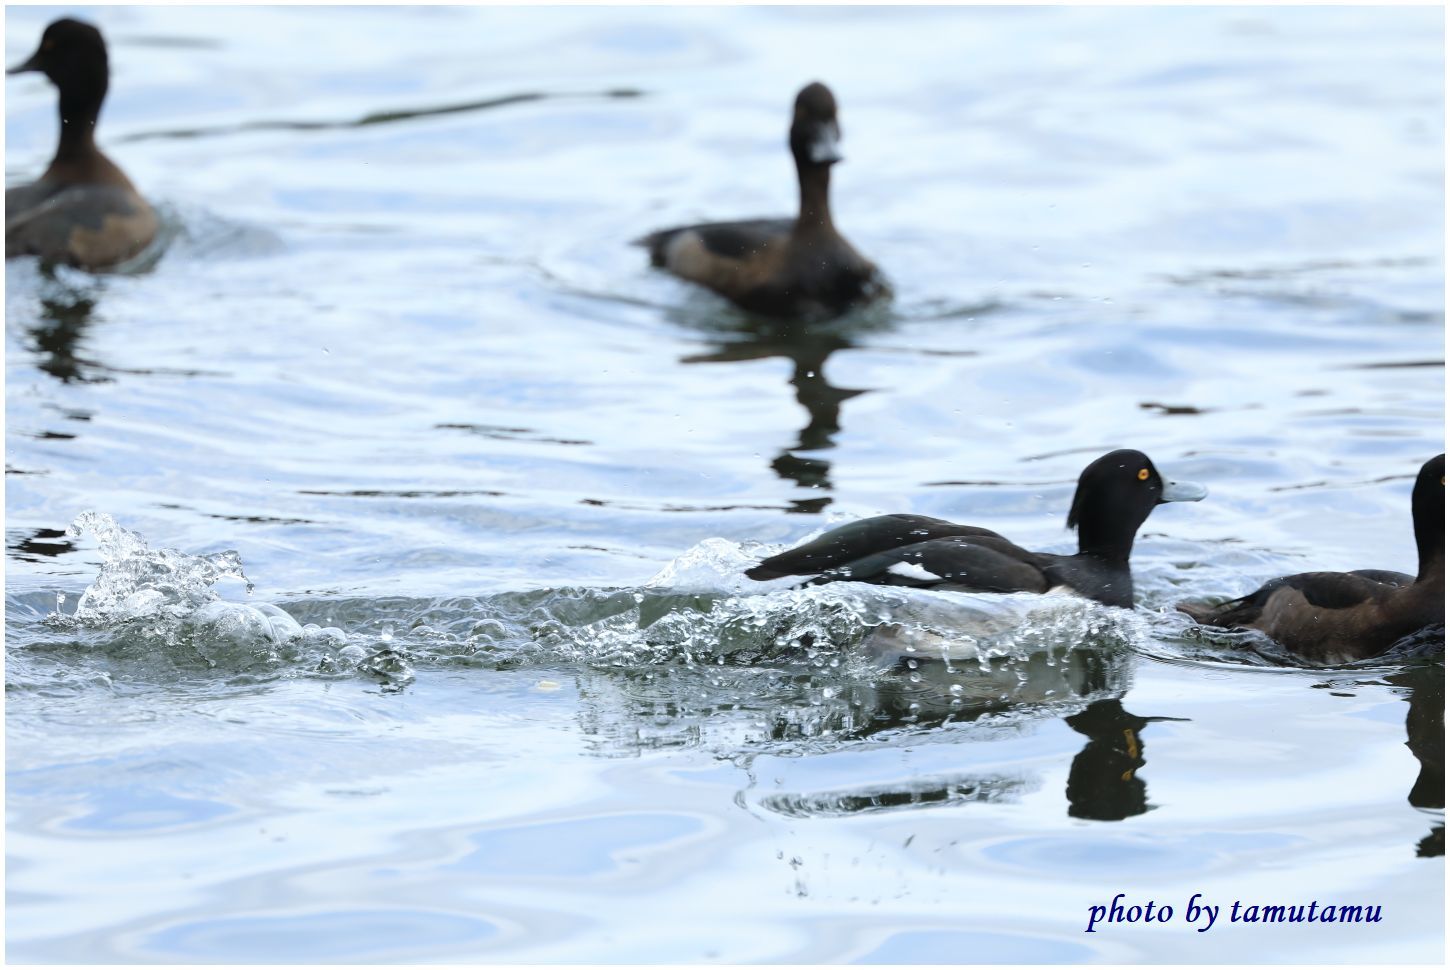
x=1387 y=576
x=990 y=564
x=88 y=225
x=799 y=268
x=1330 y=617
x=83 y=211
x=1114 y=497
x=767 y=266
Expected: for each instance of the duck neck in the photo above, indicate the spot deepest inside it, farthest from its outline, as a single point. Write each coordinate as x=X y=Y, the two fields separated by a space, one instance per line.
x=1103 y=544
x=1432 y=565
x=78 y=116
x=815 y=184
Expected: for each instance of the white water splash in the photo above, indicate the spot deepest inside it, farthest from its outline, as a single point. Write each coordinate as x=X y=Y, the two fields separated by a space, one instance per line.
x=682 y=617
x=715 y=565
x=138 y=582
x=161 y=602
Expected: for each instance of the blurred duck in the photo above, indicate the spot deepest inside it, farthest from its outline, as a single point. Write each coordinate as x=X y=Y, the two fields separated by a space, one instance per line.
x=799 y=268
x=83 y=211
x=1114 y=497
x=1338 y=617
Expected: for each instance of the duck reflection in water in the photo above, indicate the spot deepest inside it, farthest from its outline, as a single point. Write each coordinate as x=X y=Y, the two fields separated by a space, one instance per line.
x=770 y=701
x=1103 y=782
x=807 y=348
x=57 y=334
x=1425 y=737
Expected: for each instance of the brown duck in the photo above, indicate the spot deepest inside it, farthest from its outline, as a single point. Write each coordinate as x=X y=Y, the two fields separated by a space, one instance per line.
x=1338 y=617
x=799 y=268
x=83 y=211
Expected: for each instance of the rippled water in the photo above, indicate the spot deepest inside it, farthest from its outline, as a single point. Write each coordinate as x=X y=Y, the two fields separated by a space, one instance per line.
x=408 y=624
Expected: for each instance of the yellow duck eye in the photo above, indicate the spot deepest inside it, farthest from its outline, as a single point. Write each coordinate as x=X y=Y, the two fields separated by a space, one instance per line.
x=1142 y=474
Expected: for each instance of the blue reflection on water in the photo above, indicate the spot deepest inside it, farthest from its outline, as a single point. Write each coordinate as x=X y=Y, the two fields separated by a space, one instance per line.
x=949 y=946
x=577 y=847
x=338 y=935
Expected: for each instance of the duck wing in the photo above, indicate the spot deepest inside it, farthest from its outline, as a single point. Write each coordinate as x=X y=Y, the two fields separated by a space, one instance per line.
x=1320 y=591
x=91 y=226
x=21 y=199
x=727 y=240
x=1387 y=576
x=979 y=563
x=1332 y=617
x=857 y=540
x=37 y=222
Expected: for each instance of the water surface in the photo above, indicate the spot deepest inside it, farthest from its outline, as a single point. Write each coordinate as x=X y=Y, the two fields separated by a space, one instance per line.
x=493 y=688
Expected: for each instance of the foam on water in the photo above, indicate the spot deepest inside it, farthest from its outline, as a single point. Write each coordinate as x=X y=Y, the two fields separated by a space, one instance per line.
x=137 y=582
x=157 y=613
x=159 y=608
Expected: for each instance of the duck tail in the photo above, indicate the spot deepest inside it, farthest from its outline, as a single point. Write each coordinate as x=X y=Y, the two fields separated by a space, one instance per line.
x=1199 y=613
x=1234 y=613
x=655 y=242
x=764 y=573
